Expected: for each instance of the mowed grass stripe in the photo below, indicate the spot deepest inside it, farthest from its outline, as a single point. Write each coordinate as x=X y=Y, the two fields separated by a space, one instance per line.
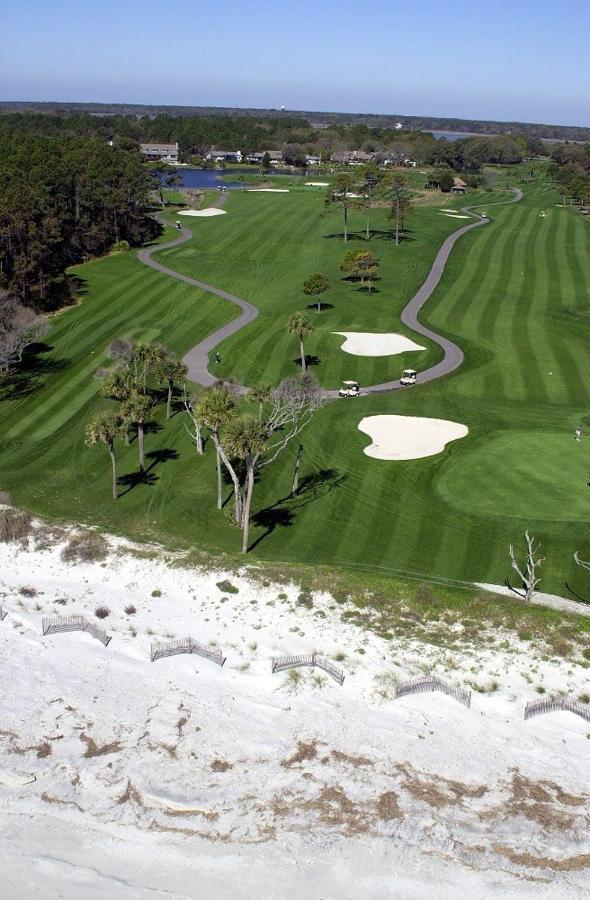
x=561 y=356
x=64 y=403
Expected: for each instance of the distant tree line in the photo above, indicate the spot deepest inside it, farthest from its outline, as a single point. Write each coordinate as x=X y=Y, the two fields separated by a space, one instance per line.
x=372 y=120
x=293 y=135
x=570 y=169
x=61 y=200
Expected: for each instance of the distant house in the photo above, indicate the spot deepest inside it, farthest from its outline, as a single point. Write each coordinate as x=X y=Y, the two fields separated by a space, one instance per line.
x=165 y=152
x=351 y=157
x=234 y=156
x=312 y=160
x=459 y=186
x=276 y=157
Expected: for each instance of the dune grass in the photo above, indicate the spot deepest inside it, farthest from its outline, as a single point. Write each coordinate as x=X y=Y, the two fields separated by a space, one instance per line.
x=515 y=296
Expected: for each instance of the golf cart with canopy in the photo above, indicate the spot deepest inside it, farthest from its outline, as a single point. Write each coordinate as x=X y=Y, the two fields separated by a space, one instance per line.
x=349 y=389
x=408 y=377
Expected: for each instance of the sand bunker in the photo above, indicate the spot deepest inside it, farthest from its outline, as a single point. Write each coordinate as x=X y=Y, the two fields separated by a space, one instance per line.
x=268 y=190
x=365 y=344
x=202 y=212
x=317 y=183
x=456 y=216
x=409 y=437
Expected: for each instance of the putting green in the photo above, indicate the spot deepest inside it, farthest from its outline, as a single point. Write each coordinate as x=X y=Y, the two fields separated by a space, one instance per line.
x=529 y=475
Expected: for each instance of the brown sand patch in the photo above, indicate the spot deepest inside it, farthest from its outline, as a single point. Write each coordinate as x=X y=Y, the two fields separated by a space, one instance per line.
x=388 y=807
x=524 y=858
x=438 y=791
x=351 y=760
x=303 y=753
x=219 y=765
x=55 y=801
x=94 y=749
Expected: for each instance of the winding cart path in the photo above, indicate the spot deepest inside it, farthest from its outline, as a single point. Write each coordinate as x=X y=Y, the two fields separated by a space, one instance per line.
x=197 y=359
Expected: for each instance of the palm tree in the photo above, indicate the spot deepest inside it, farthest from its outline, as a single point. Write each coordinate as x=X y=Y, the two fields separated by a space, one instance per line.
x=260 y=393
x=104 y=429
x=170 y=371
x=246 y=438
x=143 y=359
x=134 y=412
x=315 y=286
x=299 y=325
x=119 y=384
x=215 y=408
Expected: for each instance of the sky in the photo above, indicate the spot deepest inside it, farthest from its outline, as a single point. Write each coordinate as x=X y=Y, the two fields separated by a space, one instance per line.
x=521 y=60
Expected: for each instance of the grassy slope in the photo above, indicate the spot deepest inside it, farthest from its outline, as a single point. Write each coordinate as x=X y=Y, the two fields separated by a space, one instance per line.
x=515 y=297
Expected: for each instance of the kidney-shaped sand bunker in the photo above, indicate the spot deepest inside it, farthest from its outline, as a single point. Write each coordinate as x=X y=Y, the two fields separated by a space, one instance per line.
x=409 y=437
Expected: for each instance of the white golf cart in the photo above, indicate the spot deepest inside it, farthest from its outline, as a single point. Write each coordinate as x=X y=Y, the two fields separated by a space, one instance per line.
x=349 y=389
x=408 y=377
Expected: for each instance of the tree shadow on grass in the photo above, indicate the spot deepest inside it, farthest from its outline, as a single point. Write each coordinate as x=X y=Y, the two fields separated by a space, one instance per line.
x=364 y=289
x=24 y=380
x=322 y=306
x=271 y=518
x=156 y=457
x=310 y=360
x=352 y=236
x=312 y=487
x=578 y=597
x=388 y=235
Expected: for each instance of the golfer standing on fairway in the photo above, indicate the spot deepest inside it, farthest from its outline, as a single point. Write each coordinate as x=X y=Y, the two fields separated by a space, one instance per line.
x=578 y=433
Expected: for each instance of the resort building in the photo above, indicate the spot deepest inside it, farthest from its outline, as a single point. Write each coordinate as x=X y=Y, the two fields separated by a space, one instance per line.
x=276 y=157
x=166 y=152
x=234 y=156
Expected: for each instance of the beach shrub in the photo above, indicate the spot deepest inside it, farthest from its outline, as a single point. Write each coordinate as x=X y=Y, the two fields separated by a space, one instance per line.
x=130 y=610
x=85 y=546
x=15 y=525
x=227 y=587
x=101 y=612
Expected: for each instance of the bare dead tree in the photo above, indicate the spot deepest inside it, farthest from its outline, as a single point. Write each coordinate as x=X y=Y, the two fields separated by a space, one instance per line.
x=292 y=405
x=121 y=348
x=528 y=571
x=582 y=563
x=19 y=327
x=195 y=432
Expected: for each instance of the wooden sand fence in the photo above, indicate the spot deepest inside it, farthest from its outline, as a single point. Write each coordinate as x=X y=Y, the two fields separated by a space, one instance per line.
x=162 y=649
x=556 y=704
x=281 y=663
x=433 y=683
x=59 y=624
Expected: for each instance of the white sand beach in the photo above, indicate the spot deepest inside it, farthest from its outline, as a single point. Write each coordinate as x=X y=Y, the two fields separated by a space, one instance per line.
x=125 y=778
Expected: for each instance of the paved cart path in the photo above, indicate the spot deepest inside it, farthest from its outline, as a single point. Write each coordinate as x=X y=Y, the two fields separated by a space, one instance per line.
x=197 y=359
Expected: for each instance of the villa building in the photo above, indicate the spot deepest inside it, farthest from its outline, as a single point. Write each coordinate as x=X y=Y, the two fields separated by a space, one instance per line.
x=234 y=156
x=165 y=152
x=276 y=157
